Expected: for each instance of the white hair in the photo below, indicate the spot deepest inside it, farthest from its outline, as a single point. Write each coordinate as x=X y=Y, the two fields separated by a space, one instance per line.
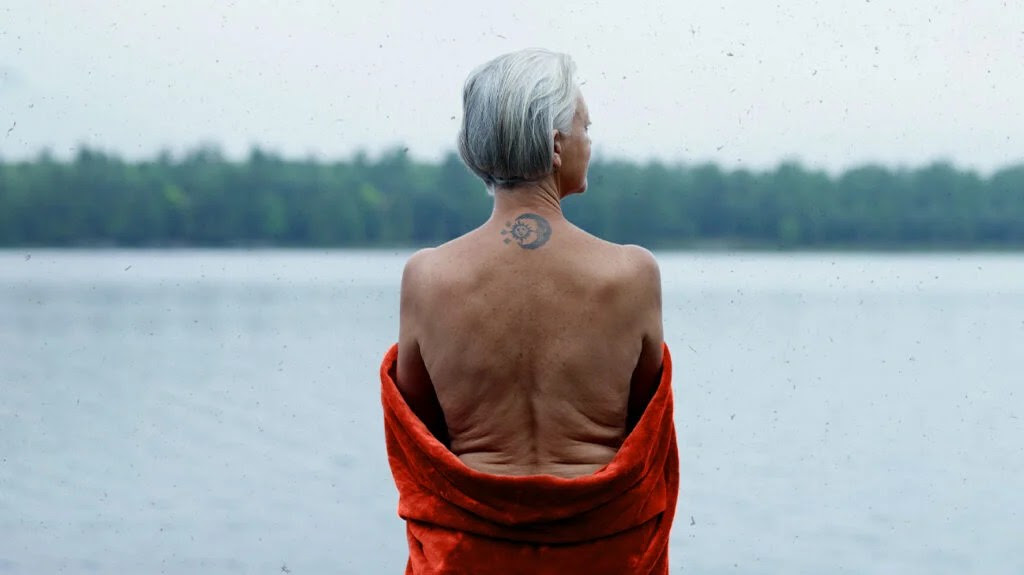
x=510 y=108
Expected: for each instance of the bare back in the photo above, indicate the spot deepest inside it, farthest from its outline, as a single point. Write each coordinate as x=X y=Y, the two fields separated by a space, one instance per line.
x=532 y=348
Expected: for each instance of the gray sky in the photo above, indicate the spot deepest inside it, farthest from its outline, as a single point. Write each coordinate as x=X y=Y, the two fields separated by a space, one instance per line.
x=743 y=83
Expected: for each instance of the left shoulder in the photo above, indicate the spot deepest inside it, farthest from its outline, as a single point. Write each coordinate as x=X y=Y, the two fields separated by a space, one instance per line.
x=418 y=262
x=415 y=283
x=417 y=269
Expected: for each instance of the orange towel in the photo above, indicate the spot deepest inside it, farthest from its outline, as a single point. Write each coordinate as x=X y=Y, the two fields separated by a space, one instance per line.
x=459 y=520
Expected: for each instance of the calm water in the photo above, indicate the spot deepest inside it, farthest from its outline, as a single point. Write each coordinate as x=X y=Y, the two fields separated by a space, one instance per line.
x=217 y=412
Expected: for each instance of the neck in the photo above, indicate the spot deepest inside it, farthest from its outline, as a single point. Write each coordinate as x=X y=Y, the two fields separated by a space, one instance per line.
x=539 y=197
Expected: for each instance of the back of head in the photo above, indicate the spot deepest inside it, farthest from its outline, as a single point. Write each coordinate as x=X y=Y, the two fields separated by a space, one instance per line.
x=510 y=109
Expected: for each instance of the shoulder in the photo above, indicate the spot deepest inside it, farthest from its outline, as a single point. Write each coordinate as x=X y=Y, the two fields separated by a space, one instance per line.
x=642 y=265
x=631 y=259
x=624 y=276
x=418 y=263
x=641 y=259
x=417 y=272
x=643 y=276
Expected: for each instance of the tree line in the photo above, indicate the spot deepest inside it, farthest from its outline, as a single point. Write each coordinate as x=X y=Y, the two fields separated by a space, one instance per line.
x=203 y=199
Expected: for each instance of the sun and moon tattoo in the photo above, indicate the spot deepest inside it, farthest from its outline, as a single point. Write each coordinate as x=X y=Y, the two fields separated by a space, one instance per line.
x=530 y=231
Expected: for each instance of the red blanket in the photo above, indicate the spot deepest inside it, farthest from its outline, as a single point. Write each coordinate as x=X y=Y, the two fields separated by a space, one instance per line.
x=459 y=520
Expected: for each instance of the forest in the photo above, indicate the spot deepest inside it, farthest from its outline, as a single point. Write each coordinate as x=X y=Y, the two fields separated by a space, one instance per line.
x=202 y=198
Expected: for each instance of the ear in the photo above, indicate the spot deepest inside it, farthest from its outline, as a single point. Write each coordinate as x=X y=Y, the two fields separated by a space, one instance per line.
x=556 y=160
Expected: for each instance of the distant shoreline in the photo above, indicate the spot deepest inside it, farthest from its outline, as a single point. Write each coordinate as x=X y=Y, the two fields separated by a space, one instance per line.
x=696 y=248
x=205 y=200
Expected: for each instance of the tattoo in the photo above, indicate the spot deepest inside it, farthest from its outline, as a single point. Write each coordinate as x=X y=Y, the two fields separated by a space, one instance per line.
x=530 y=231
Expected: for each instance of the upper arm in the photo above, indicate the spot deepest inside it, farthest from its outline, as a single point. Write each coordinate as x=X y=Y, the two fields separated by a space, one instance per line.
x=412 y=379
x=647 y=372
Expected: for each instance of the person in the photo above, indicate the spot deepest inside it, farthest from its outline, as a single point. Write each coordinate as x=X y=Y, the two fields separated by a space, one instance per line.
x=529 y=346
x=528 y=401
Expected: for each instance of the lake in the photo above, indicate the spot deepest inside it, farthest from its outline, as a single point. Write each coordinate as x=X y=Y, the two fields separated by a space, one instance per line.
x=218 y=412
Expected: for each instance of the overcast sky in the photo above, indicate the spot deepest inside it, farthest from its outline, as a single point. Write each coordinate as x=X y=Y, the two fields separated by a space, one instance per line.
x=743 y=83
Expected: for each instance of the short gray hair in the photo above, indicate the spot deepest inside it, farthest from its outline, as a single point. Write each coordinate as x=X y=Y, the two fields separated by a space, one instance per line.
x=510 y=106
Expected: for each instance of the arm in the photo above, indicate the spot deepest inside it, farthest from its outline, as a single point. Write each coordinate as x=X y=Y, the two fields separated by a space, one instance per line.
x=413 y=380
x=647 y=373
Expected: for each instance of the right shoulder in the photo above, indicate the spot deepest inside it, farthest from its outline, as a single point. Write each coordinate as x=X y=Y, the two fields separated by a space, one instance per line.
x=642 y=278
x=634 y=262
x=642 y=265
